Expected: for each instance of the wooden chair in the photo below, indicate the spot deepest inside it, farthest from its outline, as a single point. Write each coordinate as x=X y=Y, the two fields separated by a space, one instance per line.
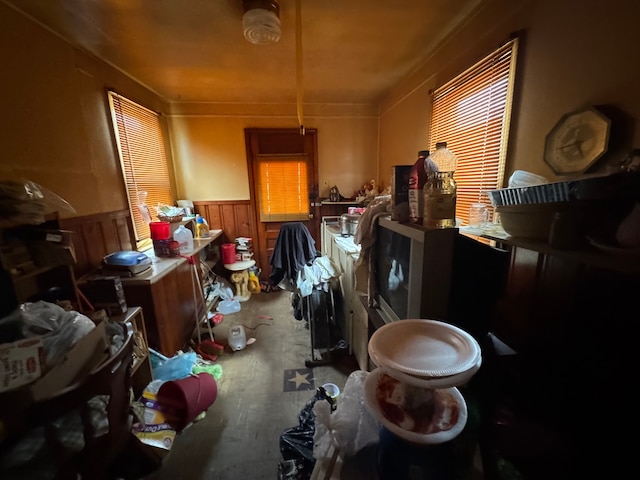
x=111 y=379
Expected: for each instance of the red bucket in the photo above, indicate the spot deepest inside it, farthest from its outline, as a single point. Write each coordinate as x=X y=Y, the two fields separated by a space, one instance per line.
x=228 y=253
x=160 y=230
x=187 y=398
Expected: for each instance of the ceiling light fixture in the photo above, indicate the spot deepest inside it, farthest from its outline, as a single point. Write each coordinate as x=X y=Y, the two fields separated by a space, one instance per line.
x=261 y=21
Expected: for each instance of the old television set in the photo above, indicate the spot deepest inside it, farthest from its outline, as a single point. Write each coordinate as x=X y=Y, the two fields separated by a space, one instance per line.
x=437 y=274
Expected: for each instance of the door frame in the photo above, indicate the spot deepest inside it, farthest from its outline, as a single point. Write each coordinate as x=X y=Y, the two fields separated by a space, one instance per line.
x=267 y=231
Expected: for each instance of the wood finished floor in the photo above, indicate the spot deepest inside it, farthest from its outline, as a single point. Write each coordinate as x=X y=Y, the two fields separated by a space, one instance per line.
x=262 y=390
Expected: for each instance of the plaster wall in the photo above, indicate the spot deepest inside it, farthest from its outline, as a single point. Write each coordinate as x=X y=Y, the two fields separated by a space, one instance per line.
x=210 y=156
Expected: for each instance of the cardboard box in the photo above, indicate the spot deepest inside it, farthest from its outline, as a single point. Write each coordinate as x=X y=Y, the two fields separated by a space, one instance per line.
x=49 y=247
x=51 y=236
x=84 y=356
x=21 y=363
x=49 y=254
x=106 y=292
x=90 y=351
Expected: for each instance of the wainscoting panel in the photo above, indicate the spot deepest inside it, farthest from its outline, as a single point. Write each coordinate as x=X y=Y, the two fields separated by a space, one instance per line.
x=235 y=219
x=98 y=235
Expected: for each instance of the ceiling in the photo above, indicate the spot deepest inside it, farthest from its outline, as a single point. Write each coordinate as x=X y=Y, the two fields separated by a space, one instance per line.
x=194 y=50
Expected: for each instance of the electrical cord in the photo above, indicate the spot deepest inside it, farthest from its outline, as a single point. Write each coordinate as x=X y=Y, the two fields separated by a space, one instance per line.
x=256 y=327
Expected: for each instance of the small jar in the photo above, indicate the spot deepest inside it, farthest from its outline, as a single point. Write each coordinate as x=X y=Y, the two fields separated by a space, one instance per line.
x=174 y=248
x=440 y=200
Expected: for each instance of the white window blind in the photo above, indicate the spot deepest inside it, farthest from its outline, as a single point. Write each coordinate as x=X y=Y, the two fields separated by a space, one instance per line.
x=142 y=157
x=472 y=114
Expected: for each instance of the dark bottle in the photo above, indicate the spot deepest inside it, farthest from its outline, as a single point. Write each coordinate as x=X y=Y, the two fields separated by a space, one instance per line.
x=416 y=184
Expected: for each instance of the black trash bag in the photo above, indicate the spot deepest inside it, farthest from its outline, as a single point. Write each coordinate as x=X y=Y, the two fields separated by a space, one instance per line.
x=296 y=443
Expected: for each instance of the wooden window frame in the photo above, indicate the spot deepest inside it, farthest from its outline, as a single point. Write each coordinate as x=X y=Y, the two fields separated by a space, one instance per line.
x=472 y=113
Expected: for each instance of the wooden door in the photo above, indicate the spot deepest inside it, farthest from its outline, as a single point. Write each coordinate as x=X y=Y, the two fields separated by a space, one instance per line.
x=263 y=144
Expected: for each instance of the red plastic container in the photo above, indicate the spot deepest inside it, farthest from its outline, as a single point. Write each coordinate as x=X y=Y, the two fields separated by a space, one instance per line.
x=160 y=230
x=186 y=398
x=228 y=253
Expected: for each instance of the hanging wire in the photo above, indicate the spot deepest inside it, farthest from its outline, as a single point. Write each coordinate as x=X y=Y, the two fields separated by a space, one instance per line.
x=299 y=78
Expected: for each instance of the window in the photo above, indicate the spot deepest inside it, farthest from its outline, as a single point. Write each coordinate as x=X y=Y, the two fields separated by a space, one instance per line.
x=142 y=157
x=472 y=114
x=284 y=195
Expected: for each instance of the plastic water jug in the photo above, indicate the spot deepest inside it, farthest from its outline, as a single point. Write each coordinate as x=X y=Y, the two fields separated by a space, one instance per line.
x=440 y=190
x=237 y=338
x=444 y=158
x=184 y=237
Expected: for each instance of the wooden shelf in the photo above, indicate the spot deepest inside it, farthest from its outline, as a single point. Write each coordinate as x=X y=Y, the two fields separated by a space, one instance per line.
x=141 y=371
x=586 y=254
x=49 y=276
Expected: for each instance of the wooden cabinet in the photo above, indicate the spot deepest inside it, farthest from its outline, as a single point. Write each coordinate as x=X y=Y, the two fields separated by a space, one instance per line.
x=568 y=315
x=354 y=325
x=168 y=304
x=553 y=291
x=169 y=298
x=360 y=331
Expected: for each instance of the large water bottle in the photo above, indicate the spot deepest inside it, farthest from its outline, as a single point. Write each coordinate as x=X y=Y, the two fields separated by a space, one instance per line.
x=444 y=158
x=237 y=338
x=184 y=237
x=440 y=190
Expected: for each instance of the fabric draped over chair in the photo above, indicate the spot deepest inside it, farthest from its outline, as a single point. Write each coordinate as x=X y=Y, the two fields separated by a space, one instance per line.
x=294 y=249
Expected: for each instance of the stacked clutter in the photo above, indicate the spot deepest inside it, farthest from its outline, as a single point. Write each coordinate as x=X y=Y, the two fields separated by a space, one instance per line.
x=413 y=394
x=244 y=249
x=163 y=244
x=105 y=292
x=170 y=406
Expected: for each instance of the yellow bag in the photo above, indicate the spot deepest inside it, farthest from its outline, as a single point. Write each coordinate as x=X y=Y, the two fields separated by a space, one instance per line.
x=253 y=283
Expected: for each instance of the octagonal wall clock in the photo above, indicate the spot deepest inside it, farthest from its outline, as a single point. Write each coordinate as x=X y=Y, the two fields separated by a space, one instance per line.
x=577 y=141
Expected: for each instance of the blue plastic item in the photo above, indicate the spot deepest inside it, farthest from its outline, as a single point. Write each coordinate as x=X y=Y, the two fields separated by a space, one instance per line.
x=176 y=367
x=127 y=259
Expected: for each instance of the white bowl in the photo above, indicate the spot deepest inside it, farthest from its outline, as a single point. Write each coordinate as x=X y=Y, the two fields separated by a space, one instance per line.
x=522 y=178
x=435 y=382
x=448 y=421
x=425 y=348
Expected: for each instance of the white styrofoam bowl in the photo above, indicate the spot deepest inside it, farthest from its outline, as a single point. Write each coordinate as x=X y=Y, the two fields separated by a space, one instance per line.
x=453 y=419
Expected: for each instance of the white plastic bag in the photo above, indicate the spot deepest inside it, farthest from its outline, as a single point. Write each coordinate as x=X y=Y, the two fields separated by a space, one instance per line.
x=351 y=427
x=222 y=289
x=59 y=329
